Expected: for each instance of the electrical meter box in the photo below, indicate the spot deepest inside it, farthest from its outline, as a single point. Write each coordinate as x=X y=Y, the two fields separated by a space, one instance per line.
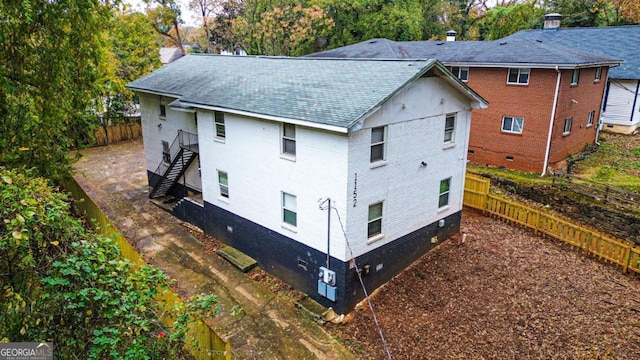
x=326 y=282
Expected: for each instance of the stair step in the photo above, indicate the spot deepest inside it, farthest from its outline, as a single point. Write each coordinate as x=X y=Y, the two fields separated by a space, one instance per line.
x=237 y=258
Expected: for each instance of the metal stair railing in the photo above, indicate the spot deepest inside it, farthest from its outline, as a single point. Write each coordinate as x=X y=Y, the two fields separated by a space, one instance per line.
x=183 y=151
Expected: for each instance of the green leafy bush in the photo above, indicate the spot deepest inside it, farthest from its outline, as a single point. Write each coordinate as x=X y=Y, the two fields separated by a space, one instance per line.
x=60 y=282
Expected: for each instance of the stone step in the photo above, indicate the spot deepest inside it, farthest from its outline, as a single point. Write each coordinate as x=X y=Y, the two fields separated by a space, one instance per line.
x=237 y=258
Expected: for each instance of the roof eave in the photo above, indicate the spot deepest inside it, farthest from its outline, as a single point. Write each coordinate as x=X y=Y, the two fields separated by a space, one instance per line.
x=287 y=120
x=532 y=65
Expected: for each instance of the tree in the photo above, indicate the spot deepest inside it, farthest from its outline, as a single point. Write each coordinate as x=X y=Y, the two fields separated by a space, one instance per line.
x=131 y=53
x=631 y=10
x=285 y=27
x=502 y=21
x=165 y=19
x=50 y=54
x=61 y=283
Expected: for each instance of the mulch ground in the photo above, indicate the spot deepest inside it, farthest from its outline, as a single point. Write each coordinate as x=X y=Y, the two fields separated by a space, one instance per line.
x=501 y=294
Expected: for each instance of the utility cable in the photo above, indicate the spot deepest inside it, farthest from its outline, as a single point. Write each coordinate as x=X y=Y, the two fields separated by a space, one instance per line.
x=366 y=294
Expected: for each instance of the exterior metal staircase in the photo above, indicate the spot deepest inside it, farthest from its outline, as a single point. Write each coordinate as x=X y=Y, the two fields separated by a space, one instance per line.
x=183 y=151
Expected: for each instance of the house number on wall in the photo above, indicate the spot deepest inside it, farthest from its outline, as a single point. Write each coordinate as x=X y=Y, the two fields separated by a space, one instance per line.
x=355 y=190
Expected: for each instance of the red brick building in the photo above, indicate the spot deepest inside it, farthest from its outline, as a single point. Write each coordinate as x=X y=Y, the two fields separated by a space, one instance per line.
x=544 y=98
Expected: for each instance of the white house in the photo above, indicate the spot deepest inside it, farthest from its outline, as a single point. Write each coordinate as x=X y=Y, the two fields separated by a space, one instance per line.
x=621 y=104
x=267 y=141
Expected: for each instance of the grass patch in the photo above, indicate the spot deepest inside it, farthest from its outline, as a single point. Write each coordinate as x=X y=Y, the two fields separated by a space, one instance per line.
x=520 y=177
x=616 y=163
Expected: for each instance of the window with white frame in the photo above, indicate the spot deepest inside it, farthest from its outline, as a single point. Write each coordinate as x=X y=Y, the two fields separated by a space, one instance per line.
x=567 y=125
x=598 y=74
x=221 y=130
x=461 y=72
x=289 y=139
x=374 y=226
x=377 y=143
x=512 y=124
x=223 y=182
x=450 y=128
x=443 y=199
x=166 y=152
x=518 y=76
x=592 y=114
x=163 y=108
x=289 y=209
x=575 y=77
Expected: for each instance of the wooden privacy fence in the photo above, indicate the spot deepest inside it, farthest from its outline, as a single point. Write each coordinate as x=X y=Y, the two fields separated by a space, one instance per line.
x=591 y=242
x=116 y=133
x=202 y=341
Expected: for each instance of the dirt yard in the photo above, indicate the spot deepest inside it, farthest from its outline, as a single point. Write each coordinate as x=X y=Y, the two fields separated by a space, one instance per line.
x=502 y=294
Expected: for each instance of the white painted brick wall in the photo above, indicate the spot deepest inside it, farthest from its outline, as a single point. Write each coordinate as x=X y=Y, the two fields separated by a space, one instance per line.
x=257 y=174
x=325 y=166
x=415 y=133
x=153 y=135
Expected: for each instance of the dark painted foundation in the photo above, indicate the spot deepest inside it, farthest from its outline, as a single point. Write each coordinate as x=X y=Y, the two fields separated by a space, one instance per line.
x=298 y=264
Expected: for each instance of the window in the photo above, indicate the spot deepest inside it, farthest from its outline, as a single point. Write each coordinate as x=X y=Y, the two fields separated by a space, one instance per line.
x=289 y=209
x=575 y=77
x=166 y=152
x=375 y=220
x=443 y=199
x=512 y=124
x=449 y=128
x=518 y=76
x=598 y=74
x=163 y=108
x=289 y=139
x=590 y=117
x=461 y=72
x=377 y=144
x=567 y=125
x=221 y=131
x=223 y=182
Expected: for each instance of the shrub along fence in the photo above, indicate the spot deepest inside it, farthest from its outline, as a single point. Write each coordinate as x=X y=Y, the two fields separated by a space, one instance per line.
x=202 y=341
x=591 y=242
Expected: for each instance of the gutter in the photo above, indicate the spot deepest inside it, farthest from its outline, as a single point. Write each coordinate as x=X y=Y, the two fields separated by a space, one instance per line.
x=553 y=116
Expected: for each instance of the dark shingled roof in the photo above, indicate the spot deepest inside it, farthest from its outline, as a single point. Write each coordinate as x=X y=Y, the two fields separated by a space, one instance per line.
x=329 y=92
x=508 y=51
x=619 y=42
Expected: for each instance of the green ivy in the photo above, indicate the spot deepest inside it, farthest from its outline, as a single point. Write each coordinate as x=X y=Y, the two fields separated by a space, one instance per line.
x=62 y=283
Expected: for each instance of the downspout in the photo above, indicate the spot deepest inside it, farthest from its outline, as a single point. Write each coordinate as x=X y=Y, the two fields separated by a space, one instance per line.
x=603 y=107
x=553 y=116
x=635 y=101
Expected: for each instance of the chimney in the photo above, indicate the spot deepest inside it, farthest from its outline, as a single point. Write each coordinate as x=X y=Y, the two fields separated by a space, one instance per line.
x=451 y=35
x=552 y=22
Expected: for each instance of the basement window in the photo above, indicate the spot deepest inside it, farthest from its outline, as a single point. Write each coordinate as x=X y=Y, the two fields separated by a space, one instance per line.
x=509 y=158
